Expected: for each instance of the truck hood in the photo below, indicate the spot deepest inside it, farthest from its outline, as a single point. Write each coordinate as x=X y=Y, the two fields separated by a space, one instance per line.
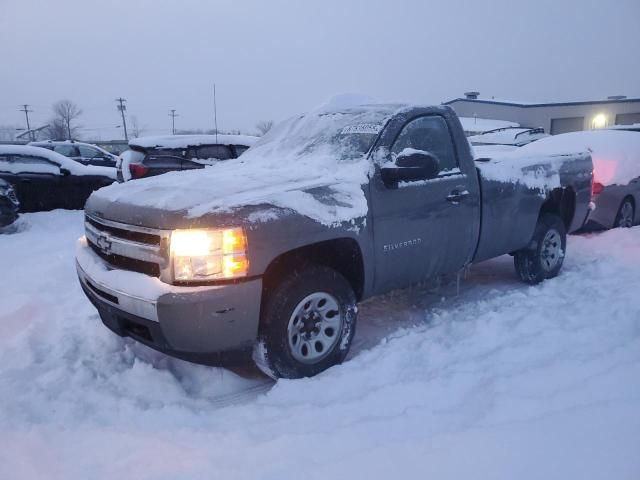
x=315 y=188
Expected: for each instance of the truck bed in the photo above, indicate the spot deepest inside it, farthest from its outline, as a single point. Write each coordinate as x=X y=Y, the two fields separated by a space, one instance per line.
x=514 y=188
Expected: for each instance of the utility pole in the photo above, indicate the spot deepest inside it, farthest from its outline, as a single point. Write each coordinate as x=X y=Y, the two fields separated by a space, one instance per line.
x=215 y=112
x=173 y=116
x=122 y=107
x=25 y=109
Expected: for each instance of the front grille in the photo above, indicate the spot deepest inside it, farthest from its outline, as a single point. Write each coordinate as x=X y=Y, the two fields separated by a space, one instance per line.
x=126 y=234
x=126 y=263
x=128 y=247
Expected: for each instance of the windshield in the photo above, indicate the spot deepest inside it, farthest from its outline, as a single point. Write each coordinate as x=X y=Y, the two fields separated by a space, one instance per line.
x=343 y=135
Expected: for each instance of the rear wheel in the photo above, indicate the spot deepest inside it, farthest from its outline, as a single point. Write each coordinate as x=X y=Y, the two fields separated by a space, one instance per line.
x=626 y=212
x=307 y=323
x=544 y=255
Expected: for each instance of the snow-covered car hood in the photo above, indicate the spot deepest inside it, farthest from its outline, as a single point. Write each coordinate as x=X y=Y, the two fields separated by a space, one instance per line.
x=314 y=165
x=328 y=195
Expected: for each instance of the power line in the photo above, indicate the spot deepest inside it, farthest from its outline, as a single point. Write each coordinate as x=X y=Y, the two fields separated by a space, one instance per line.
x=122 y=107
x=173 y=116
x=25 y=109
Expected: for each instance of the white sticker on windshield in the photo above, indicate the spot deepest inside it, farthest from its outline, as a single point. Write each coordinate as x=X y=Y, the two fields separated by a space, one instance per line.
x=372 y=128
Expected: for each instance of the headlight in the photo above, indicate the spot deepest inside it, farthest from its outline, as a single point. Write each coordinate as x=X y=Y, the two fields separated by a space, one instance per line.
x=201 y=255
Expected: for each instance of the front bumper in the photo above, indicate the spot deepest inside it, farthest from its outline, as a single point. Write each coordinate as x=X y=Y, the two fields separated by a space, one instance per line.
x=210 y=325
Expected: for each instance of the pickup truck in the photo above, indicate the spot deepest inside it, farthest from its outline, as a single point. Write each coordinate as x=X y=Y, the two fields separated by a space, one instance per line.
x=269 y=254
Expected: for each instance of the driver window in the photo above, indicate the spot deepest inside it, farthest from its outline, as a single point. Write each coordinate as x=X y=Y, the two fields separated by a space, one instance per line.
x=429 y=134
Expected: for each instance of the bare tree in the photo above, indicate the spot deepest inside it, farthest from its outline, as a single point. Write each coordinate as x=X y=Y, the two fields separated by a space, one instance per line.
x=264 y=126
x=65 y=112
x=56 y=130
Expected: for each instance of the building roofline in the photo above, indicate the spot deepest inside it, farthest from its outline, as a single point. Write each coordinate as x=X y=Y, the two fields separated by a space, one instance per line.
x=549 y=104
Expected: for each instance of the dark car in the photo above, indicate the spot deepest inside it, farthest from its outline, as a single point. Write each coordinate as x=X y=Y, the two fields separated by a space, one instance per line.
x=149 y=156
x=9 y=204
x=46 y=180
x=84 y=153
x=269 y=253
x=616 y=172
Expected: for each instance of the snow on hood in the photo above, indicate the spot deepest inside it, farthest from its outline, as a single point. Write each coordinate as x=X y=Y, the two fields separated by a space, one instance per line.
x=615 y=154
x=74 y=167
x=314 y=164
x=184 y=141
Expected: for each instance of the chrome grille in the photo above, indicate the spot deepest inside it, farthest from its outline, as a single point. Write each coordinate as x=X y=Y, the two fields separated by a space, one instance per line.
x=130 y=247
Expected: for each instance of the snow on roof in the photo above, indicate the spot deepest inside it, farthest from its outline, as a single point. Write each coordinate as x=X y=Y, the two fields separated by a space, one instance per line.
x=615 y=153
x=479 y=125
x=507 y=136
x=74 y=167
x=184 y=141
x=526 y=104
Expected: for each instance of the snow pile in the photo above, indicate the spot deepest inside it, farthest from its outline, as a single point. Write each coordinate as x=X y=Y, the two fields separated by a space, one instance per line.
x=74 y=167
x=615 y=153
x=185 y=141
x=504 y=381
x=306 y=164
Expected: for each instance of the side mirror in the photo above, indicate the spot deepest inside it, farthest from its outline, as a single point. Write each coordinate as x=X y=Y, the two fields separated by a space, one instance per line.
x=64 y=172
x=411 y=166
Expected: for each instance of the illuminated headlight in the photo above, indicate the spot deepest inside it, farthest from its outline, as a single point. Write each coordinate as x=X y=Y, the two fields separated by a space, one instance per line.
x=201 y=255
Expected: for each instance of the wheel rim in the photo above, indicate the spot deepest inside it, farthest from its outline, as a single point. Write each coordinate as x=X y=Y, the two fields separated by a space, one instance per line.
x=551 y=252
x=314 y=327
x=625 y=219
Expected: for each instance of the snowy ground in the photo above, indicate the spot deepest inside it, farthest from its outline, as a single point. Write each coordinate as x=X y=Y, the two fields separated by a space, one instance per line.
x=503 y=381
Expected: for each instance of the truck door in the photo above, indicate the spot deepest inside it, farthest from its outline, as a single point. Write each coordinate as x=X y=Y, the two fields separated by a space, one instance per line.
x=429 y=227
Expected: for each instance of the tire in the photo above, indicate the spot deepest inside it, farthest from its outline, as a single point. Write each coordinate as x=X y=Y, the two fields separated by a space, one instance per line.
x=317 y=305
x=625 y=215
x=543 y=257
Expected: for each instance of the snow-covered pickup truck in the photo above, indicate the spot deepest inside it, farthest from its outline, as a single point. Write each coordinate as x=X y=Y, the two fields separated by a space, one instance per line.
x=270 y=253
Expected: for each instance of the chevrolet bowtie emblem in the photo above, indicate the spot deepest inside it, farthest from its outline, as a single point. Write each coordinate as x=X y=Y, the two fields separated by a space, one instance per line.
x=104 y=244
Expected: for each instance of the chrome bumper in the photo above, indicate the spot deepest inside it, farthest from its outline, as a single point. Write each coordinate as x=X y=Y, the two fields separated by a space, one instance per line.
x=138 y=306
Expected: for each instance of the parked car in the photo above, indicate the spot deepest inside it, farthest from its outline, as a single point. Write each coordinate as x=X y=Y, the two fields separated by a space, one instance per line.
x=616 y=174
x=46 y=180
x=270 y=252
x=511 y=136
x=9 y=204
x=84 y=153
x=149 y=156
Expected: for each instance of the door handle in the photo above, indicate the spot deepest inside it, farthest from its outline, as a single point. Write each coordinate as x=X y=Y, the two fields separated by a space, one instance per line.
x=25 y=180
x=456 y=196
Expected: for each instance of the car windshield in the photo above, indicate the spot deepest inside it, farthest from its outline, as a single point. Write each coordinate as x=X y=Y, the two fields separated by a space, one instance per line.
x=344 y=135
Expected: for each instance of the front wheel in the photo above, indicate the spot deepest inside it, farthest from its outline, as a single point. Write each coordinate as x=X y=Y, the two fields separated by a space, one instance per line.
x=307 y=323
x=544 y=255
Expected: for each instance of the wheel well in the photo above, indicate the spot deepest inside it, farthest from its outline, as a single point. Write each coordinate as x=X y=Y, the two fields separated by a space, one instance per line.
x=343 y=255
x=631 y=199
x=562 y=202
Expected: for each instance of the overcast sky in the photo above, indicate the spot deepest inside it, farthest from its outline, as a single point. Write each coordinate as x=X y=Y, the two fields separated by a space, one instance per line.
x=271 y=59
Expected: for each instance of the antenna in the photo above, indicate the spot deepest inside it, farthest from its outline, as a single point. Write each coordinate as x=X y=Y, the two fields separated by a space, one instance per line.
x=215 y=112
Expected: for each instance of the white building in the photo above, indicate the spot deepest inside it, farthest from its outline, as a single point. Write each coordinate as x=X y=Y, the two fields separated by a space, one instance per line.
x=553 y=117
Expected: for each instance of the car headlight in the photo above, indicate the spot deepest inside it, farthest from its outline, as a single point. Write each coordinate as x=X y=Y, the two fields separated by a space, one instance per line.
x=201 y=255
